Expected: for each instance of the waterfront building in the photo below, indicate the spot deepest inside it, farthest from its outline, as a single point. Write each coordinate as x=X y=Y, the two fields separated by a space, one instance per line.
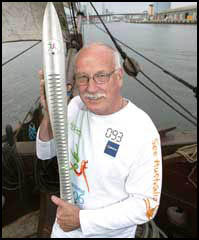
x=150 y=10
x=161 y=6
x=187 y=14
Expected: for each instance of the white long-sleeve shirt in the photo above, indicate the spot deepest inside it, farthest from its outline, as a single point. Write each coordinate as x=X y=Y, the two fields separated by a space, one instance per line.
x=116 y=170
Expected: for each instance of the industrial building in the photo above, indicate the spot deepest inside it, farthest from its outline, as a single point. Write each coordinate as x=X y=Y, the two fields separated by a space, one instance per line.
x=161 y=6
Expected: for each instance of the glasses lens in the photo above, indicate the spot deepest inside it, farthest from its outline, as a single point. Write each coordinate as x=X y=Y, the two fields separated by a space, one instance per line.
x=82 y=80
x=101 y=77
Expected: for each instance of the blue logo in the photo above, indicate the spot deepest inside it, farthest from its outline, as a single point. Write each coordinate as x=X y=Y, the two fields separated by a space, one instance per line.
x=111 y=148
x=78 y=195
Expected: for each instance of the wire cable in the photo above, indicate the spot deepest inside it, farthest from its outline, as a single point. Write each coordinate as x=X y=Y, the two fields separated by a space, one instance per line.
x=155 y=64
x=20 y=53
x=73 y=16
x=124 y=56
x=195 y=124
x=187 y=111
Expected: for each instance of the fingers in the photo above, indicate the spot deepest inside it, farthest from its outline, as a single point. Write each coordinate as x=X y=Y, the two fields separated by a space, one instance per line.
x=41 y=74
x=42 y=95
x=42 y=83
x=42 y=90
x=58 y=201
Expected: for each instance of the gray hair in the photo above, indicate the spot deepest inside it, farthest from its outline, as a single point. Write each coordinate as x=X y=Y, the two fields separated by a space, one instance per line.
x=116 y=54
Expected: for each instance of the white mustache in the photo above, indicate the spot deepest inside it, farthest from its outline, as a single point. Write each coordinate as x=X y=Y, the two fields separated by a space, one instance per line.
x=94 y=96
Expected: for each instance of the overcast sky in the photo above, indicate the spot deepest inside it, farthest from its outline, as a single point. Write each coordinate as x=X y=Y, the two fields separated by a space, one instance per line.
x=126 y=7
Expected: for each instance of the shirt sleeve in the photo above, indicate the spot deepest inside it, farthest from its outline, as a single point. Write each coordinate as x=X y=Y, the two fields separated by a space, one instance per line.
x=45 y=150
x=143 y=185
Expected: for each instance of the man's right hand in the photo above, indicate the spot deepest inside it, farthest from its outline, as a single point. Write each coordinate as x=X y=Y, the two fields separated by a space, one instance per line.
x=45 y=133
x=42 y=91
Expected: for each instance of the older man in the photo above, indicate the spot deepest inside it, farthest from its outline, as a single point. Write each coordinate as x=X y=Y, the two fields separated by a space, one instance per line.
x=115 y=153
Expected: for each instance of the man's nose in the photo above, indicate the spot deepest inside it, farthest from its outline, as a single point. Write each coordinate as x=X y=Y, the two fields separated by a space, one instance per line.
x=92 y=87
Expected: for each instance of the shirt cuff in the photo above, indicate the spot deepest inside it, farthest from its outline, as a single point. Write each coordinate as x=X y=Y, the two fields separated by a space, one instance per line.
x=45 y=150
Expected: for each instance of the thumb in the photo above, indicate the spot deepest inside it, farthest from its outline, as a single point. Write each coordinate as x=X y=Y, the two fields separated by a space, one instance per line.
x=57 y=201
x=41 y=74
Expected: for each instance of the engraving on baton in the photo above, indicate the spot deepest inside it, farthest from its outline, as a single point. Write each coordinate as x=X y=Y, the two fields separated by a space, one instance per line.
x=53 y=47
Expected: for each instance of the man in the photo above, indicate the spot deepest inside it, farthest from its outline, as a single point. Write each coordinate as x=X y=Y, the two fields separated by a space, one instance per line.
x=115 y=153
x=69 y=88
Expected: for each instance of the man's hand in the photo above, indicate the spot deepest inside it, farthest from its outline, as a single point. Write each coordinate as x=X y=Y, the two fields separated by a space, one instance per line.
x=42 y=91
x=67 y=214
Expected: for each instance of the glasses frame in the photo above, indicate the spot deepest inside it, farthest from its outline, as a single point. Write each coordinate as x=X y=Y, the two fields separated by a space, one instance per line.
x=93 y=77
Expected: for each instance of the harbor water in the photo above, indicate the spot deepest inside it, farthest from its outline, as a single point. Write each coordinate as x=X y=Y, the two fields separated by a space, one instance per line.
x=174 y=47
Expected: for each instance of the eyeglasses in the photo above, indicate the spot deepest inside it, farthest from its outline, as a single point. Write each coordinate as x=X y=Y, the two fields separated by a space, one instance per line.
x=99 y=78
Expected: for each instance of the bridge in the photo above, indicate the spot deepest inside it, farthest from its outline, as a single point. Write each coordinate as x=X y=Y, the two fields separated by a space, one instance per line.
x=118 y=14
x=111 y=17
x=186 y=14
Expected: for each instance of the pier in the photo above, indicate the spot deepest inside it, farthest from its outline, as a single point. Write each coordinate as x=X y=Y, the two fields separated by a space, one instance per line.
x=183 y=15
x=178 y=15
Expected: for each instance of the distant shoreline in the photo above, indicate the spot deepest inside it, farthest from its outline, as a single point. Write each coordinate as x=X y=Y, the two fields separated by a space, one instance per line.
x=185 y=23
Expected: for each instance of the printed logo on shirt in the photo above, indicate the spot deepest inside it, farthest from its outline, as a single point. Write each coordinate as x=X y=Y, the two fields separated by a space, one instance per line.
x=156 y=174
x=111 y=148
x=149 y=211
x=78 y=194
x=156 y=180
x=75 y=129
x=75 y=166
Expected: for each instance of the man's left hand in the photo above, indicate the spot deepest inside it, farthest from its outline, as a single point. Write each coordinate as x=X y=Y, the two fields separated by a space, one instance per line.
x=67 y=214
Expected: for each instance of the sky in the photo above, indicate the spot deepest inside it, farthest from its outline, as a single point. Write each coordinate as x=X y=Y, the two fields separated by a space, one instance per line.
x=127 y=7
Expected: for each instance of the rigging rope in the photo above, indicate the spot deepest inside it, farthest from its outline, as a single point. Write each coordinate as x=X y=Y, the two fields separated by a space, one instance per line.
x=13 y=168
x=157 y=65
x=75 y=28
x=195 y=124
x=168 y=95
x=74 y=21
x=20 y=53
x=187 y=111
x=124 y=56
x=190 y=154
x=149 y=230
x=73 y=14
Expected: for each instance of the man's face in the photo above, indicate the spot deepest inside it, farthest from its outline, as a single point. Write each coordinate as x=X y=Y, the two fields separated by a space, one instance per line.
x=104 y=98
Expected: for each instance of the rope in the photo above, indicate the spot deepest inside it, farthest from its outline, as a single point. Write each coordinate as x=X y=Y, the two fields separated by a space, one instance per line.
x=149 y=230
x=157 y=232
x=190 y=154
x=13 y=169
x=180 y=105
x=27 y=114
x=74 y=21
x=73 y=15
x=187 y=150
x=158 y=66
x=20 y=53
x=124 y=56
x=195 y=124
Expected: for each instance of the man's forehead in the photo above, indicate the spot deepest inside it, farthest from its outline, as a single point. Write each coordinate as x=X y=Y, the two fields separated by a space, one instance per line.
x=95 y=50
x=97 y=56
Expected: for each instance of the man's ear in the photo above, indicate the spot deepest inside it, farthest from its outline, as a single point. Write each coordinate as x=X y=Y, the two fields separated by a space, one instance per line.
x=120 y=75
